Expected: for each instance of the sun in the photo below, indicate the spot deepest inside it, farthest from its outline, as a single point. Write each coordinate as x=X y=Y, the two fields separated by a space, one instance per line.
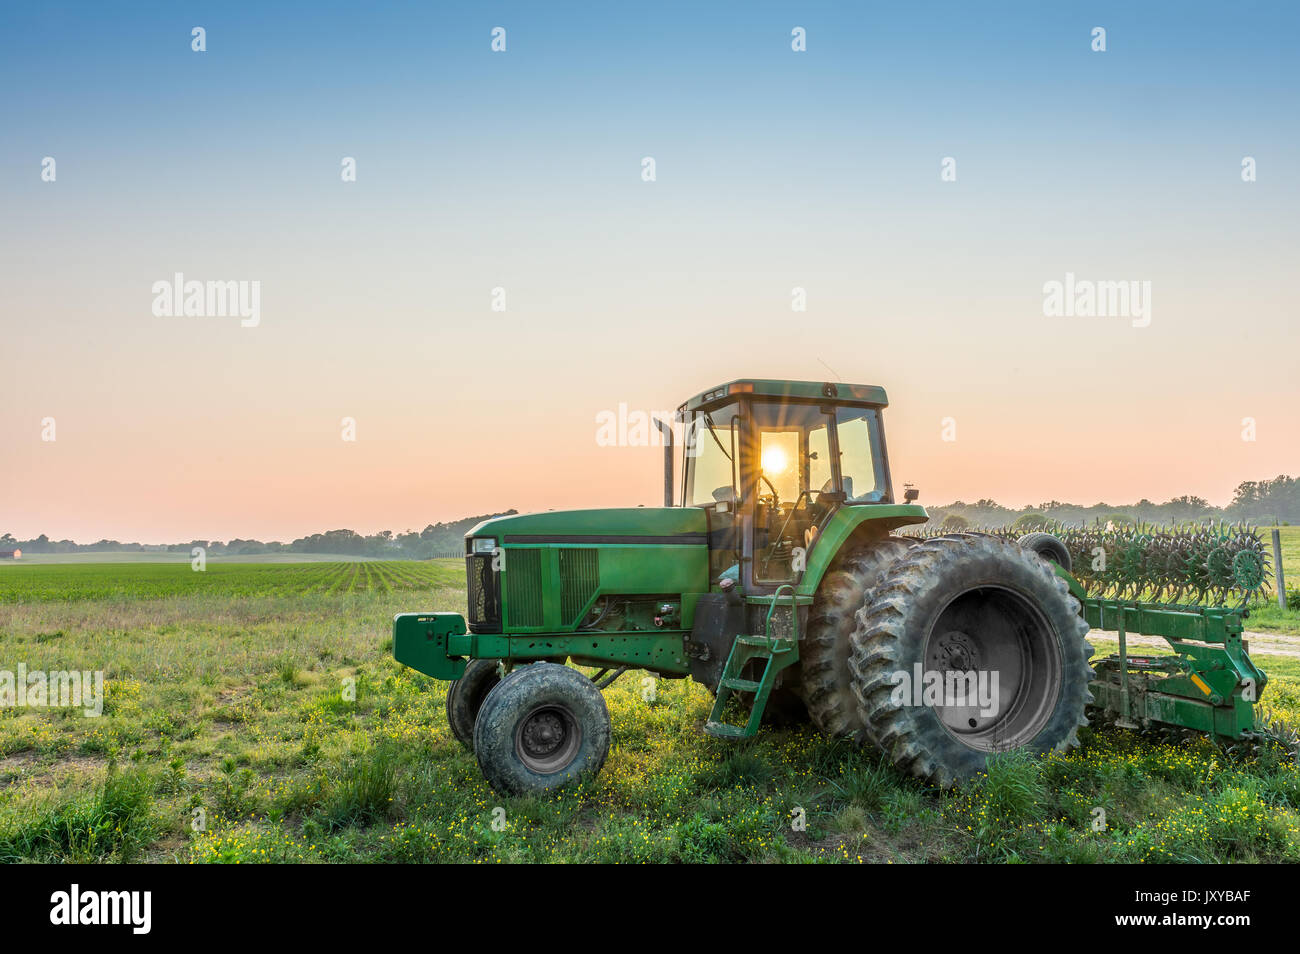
x=775 y=461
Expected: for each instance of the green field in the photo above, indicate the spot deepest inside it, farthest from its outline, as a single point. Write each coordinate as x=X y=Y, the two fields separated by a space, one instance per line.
x=1265 y=615
x=146 y=581
x=230 y=735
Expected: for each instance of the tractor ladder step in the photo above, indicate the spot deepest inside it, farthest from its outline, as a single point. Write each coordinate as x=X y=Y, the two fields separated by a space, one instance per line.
x=723 y=730
x=771 y=654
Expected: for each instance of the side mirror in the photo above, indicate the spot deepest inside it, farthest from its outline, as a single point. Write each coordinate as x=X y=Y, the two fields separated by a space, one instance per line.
x=910 y=493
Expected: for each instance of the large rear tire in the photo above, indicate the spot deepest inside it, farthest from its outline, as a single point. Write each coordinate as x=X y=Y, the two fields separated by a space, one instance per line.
x=826 y=682
x=970 y=603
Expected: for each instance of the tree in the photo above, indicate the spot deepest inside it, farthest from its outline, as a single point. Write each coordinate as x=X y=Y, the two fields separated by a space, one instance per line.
x=1027 y=522
x=1279 y=496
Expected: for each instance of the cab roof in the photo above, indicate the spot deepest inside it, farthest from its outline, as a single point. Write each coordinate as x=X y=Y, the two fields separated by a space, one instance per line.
x=824 y=391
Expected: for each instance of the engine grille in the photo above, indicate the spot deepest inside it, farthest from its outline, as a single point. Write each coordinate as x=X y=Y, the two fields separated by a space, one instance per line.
x=579 y=579
x=484 y=597
x=524 y=587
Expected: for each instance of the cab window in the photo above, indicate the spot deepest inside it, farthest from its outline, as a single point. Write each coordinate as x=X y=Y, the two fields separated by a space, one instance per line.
x=712 y=440
x=862 y=462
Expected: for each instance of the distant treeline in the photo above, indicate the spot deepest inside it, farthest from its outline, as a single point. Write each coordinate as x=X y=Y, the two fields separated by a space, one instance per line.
x=437 y=539
x=1263 y=502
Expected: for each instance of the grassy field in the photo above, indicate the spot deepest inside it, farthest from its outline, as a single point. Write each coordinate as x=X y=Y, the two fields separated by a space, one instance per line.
x=1265 y=615
x=229 y=735
x=132 y=582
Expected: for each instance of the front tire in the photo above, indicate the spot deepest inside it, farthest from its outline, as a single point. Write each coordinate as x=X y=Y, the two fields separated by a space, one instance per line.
x=971 y=603
x=465 y=697
x=542 y=727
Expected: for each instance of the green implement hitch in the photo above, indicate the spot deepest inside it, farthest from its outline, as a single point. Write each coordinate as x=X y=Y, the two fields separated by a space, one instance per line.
x=440 y=645
x=1209 y=684
x=772 y=653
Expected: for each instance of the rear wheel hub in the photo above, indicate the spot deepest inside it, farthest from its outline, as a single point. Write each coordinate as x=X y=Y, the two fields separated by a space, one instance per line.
x=999 y=653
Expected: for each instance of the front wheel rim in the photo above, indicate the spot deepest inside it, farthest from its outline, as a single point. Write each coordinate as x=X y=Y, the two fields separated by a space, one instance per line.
x=547 y=739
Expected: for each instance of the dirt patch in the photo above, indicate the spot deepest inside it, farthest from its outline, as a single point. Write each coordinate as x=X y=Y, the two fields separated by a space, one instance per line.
x=872 y=846
x=172 y=847
x=56 y=769
x=13 y=766
x=1261 y=644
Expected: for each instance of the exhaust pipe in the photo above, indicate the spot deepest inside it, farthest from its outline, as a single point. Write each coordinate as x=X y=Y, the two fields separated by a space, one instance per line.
x=667 y=431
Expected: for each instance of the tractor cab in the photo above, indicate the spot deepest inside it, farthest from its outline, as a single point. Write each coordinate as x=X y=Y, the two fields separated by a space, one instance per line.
x=770 y=462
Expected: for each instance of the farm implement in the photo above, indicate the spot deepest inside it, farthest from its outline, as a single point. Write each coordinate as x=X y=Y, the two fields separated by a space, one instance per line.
x=781 y=575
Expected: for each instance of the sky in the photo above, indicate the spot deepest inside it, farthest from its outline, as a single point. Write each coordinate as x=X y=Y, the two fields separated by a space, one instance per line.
x=920 y=171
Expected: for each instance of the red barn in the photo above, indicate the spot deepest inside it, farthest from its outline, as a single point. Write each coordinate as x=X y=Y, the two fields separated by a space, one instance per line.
x=10 y=554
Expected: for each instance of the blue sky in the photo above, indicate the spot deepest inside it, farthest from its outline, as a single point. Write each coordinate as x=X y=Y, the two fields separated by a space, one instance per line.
x=521 y=170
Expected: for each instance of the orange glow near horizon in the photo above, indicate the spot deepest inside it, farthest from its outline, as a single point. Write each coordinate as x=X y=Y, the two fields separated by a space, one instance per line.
x=500 y=271
x=133 y=468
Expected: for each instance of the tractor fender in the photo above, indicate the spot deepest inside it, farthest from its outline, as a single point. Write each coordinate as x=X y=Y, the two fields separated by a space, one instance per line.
x=853 y=525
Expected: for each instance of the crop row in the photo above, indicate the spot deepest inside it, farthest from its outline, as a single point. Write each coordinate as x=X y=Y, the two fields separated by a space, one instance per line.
x=98 y=581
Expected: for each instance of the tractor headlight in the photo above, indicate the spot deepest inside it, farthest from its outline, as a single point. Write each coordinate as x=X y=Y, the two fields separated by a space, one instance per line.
x=483 y=544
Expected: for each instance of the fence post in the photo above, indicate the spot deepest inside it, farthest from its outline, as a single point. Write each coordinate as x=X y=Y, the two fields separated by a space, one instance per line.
x=1278 y=576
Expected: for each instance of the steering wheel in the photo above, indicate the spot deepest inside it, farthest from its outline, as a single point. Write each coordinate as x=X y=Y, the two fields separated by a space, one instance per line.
x=785 y=524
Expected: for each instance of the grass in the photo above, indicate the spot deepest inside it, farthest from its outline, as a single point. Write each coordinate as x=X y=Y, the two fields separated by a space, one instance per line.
x=257 y=715
x=1290 y=540
x=1265 y=615
x=112 y=822
x=132 y=582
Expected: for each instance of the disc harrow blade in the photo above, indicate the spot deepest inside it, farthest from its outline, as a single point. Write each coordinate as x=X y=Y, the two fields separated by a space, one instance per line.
x=1213 y=563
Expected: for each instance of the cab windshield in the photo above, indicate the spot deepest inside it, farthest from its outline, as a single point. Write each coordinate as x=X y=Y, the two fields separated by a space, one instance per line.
x=789 y=460
x=793 y=453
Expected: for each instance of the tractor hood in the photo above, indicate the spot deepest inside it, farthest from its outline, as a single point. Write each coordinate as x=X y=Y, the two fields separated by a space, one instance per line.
x=549 y=570
x=657 y=526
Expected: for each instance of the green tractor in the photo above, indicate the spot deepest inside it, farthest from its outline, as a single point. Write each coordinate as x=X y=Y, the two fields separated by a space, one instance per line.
x=778 y=578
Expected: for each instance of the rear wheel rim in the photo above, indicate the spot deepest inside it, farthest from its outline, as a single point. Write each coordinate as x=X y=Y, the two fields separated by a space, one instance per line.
x=987 y=630
x=547 y=739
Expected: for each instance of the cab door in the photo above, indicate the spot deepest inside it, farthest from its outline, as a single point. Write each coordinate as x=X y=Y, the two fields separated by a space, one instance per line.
x=791 y=458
